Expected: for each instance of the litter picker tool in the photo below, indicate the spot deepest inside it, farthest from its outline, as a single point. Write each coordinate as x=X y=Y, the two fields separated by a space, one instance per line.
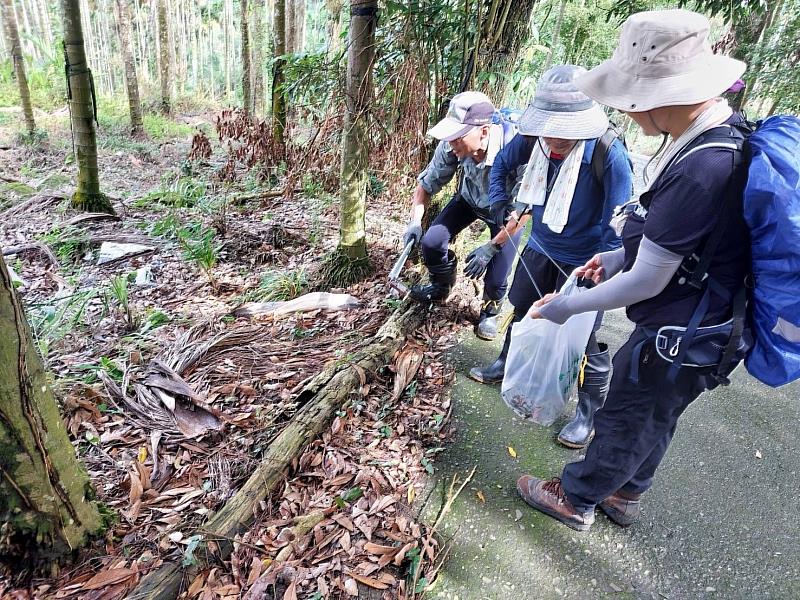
x=395 y=284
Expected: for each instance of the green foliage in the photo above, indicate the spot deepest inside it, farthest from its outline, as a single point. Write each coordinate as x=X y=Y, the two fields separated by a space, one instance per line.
x=199 y=247
x=51 y=322
x=68 y=243
x=279 y=285
x=158 y=127
x=183 y=192
x=119 y=291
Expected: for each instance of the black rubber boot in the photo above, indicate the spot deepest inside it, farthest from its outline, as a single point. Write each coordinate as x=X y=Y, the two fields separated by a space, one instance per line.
x=486 y=329
x=443 y=278
x=591 y=397
x=494 y=372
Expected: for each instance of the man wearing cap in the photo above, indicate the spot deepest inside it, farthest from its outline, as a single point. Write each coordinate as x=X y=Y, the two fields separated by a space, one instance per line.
x=571 y=200
x=470 y=140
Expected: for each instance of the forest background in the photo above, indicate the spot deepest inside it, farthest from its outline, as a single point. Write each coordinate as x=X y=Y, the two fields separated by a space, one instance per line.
x=241 y=144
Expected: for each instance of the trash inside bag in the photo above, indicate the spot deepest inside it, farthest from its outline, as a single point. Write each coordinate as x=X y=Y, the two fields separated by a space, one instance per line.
x=544 y=362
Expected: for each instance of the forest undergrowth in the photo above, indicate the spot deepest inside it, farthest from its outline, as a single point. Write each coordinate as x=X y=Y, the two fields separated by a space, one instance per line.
x=213 y=217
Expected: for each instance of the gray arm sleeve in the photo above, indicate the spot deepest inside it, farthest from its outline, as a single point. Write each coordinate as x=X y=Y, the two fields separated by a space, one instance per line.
x=648 y=277
x=612 y=262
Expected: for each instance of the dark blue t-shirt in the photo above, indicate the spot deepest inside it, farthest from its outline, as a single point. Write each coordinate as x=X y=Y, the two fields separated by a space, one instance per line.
x=587 y=231
x=685 y=204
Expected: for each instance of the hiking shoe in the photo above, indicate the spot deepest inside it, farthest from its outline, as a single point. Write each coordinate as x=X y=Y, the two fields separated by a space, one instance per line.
x=548 y=497
x=622 y=508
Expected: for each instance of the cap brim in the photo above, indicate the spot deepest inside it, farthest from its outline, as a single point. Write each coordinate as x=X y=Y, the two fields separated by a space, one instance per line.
x=578 y=125
x=448 y=130
x=612 y=86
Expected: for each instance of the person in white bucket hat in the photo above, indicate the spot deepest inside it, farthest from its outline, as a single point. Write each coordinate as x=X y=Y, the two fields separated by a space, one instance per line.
x=576 y=174
x=680 y=272
x=472 y=134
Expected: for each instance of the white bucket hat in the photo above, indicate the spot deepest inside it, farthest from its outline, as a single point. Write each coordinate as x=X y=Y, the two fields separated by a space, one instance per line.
x=561 y=110
x=663 y=58
x=467 y=111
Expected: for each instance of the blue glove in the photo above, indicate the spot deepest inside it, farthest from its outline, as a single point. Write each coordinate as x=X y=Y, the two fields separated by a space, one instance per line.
x=478 y=259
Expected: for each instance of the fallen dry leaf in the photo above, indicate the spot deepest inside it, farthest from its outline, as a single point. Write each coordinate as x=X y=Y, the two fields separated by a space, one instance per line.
x=512 y=452
x=110 y=577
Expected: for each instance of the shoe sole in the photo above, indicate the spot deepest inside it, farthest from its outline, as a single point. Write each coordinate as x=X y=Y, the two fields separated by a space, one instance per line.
x=574 y=445
x=555 y=515
x=480 y=379
x=485 y=338
x=617 y=517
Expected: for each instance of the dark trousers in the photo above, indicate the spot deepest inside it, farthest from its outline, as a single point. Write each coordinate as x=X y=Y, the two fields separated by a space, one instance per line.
x=634 y=427
x=536 y=273
x=454 y=218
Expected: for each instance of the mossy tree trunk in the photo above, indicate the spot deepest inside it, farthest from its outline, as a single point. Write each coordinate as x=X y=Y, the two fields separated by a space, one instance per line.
x=355 y=139
x=278 y=52
x=164 y=57
x=246 y=81
x=131 y=80
x=80 y=91
x=12 y=36
x=44 y=505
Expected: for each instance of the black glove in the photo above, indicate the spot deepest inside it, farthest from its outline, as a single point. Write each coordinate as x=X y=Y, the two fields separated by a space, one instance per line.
x=478 y=259
x=499 y=212
x=413 y=232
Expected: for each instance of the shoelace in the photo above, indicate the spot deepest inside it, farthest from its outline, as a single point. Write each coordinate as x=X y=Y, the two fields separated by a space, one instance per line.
x=553 y=487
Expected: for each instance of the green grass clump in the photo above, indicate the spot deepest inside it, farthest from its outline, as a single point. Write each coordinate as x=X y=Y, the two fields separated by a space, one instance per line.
x=279 y=285
x=159 y=127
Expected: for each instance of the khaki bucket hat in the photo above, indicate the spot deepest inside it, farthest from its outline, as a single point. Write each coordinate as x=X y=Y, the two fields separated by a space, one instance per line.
x=663 y=58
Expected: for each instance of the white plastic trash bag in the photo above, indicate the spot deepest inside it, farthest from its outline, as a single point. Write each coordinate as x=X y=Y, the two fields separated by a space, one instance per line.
x=544 y=361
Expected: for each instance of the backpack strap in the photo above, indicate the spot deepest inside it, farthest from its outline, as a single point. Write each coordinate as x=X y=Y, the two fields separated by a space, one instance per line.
x=601 y=151
x=734 y=139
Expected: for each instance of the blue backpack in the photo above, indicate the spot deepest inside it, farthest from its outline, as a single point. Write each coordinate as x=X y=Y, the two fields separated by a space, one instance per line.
x=765 y=327
x=772 y=213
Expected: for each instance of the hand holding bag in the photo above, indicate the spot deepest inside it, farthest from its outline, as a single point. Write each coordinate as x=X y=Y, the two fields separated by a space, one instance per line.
x=544 y=361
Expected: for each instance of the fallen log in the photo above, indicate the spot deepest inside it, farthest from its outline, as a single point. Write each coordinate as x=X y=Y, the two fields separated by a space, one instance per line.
x=43 y=248
x=321 y=398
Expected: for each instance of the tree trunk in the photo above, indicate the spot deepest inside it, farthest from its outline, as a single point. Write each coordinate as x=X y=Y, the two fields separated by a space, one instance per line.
x=291 y=26
x=44 y=506
x=80 y=94
x=12 y=34
x=131 y=81
x=246 y=82
x=278 y=52
x=504 y=27
x=258 y=56
x=556 y=35
x=355 y=140
x=164 y=56
x=299 y=25
x=334 y=25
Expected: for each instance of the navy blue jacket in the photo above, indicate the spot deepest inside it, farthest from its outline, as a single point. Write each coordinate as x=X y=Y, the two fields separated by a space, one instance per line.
x=587 y=231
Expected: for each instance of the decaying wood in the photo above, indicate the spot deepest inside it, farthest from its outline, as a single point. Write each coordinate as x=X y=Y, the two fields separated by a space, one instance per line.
x=91 y=218
x=42 y=200
x=265 y=194
x=323 y=396
x=39 y=246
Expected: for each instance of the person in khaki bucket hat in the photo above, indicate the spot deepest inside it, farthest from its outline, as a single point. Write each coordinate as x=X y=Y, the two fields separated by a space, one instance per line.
x=665 y=77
